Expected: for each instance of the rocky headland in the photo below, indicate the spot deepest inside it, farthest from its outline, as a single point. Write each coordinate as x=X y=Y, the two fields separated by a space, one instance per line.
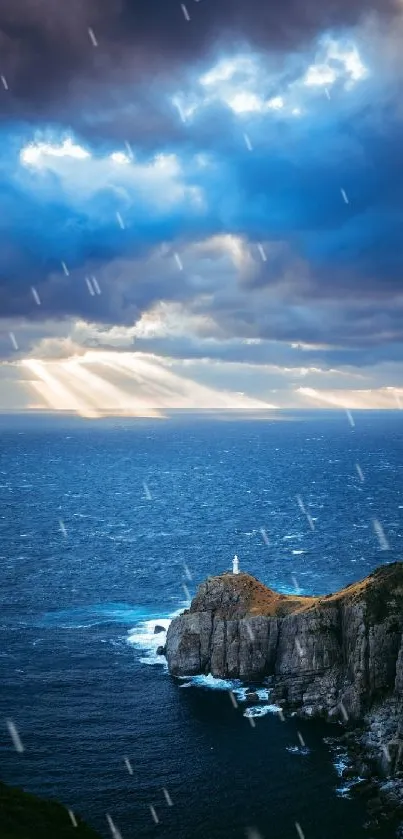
x=24 y=816
x=338 y=657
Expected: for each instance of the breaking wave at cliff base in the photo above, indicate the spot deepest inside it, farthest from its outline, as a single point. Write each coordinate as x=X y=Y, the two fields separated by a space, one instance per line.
x=144 y=637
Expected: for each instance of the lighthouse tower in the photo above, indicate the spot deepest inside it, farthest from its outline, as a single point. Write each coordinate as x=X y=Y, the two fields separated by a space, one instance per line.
x=235 y=565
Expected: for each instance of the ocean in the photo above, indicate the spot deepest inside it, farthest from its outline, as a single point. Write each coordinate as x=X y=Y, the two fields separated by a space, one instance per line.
x=106 y=528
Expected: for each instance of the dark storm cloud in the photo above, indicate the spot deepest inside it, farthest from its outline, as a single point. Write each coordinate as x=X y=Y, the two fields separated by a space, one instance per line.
x=47 y=54
x=333 y=269
x=318 y=247
x=275 y=353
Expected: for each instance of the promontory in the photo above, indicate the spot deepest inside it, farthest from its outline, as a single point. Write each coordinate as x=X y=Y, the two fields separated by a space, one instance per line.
x=320 y=651
x=335 y=656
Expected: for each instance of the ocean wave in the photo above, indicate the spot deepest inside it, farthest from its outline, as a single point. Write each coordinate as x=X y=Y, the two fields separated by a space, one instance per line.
x=261 y=710
x=144 y=637
x=85 y=617
x=212 y=682
x=342 y=762
x=346 y=790
x=298 y=750
x=243 y=693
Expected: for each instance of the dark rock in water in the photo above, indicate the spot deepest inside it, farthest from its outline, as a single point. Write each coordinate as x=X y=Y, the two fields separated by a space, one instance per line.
x=339 y=657
x=158 y=628
x=365 y=787
x=252 y=697
x=24 y=816
x=349 y=772
x=161 y=650
x=374 y=805
x=363 y=770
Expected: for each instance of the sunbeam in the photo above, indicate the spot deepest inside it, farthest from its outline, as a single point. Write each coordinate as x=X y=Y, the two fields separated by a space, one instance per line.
x=149 y=387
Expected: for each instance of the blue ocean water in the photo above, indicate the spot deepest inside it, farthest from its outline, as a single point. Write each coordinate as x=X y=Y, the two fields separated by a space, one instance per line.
x=98 y=520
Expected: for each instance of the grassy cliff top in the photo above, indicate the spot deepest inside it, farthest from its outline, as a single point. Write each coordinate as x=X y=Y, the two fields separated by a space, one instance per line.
x=24 y=816
x=237 y=595
x=381 y=591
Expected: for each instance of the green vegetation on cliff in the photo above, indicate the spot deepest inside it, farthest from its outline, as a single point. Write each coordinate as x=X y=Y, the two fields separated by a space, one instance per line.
x=24 y=816
x=237 y=596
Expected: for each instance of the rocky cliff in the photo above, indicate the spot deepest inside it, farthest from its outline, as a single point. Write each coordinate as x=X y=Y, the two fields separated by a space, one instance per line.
x=331 y=656
x=339 y=657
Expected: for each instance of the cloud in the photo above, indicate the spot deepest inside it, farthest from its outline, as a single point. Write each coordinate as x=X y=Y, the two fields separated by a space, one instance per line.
x=132 y=384
x=234 y=208
x=49 y=55
x=388 y=398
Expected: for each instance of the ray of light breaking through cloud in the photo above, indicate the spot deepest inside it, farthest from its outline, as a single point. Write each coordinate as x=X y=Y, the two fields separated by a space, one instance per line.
x=122 y=213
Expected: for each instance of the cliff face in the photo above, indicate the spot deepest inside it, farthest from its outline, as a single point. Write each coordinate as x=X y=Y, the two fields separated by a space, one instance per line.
x=329 y=656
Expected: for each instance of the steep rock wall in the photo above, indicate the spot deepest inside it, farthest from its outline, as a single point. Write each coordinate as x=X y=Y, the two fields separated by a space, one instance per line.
x=320 y=654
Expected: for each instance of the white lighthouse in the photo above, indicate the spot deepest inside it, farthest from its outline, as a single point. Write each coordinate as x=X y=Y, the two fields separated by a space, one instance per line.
x=235 y=565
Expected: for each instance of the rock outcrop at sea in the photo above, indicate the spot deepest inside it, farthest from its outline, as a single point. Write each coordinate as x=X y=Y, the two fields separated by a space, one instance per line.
x=339 y=656
x=325 y=656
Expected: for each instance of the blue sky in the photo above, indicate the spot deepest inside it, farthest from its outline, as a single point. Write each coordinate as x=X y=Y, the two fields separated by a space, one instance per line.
x=201 y=207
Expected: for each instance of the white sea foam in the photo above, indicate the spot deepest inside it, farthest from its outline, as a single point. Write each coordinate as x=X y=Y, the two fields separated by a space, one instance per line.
x=212 y=683
x=144 y=637
x=261 y=710
x=341 y=764
x=242 y=693
x=345 y=790
x=238 y=688
x=298 y=750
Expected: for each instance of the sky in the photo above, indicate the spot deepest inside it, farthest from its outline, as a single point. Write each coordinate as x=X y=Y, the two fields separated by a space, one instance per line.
x=201 y=205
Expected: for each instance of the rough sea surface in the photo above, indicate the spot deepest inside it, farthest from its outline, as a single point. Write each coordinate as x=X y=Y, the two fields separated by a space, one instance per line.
x=98 y=520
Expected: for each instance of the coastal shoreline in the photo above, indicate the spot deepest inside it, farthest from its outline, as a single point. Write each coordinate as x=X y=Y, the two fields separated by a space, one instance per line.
x=337 y=657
